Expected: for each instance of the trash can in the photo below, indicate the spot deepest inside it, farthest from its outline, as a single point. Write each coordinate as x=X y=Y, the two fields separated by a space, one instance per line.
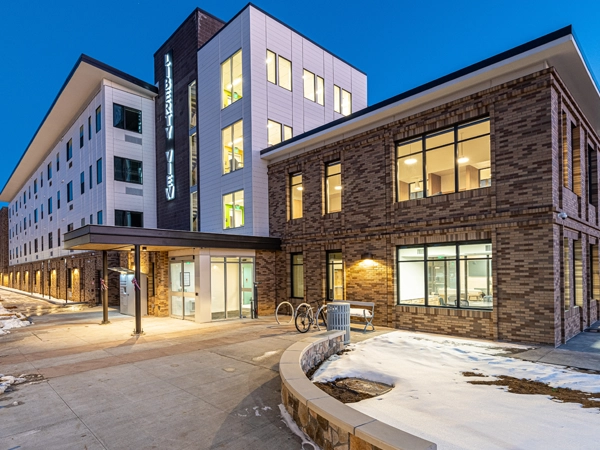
x=338 y=318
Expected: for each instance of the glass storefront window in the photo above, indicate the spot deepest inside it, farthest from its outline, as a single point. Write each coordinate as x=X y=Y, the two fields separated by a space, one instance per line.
x=457 y=275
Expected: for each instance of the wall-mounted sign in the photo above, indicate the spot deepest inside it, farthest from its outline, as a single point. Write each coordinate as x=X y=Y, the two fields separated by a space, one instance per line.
x=170 y=153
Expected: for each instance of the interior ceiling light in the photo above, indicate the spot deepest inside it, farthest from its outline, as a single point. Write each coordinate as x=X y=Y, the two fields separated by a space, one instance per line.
x=410 y=161
x=338 y=188
x=463 y=159
x=418 y=186
x=300 y=188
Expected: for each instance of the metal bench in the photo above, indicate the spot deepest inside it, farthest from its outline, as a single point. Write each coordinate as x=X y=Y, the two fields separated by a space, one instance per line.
x=362 y=310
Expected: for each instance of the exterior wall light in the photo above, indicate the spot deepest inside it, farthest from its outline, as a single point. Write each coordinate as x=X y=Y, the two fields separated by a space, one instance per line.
x=367 y=256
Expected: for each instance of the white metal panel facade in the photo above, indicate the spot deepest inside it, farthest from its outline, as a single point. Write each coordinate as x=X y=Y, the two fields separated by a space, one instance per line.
x=105 y=196
x=254 y=32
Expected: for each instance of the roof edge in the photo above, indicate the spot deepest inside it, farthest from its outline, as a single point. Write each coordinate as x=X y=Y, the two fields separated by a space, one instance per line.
x=507 y=54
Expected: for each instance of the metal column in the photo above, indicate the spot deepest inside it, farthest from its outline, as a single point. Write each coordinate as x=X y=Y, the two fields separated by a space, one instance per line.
x=104 y=288
x=138 y=292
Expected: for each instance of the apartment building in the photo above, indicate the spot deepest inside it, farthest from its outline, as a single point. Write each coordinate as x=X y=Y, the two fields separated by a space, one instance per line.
x=467 y=206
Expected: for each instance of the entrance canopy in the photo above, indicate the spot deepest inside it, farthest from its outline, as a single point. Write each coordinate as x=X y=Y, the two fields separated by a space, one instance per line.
x=102 y=237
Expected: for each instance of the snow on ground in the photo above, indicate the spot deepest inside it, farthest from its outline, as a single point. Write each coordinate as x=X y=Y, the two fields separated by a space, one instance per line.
x=10 y=320
x=433 y=400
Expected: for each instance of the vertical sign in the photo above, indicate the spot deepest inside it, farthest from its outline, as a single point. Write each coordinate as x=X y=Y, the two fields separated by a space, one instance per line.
x=170 y=153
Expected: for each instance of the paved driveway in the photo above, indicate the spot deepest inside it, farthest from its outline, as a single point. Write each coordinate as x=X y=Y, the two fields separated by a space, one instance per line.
x=181 y=385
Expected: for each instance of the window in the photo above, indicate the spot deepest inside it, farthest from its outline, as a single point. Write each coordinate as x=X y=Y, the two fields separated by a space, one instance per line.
x=81 y=136
x=91 y=219
x=192 y=104
x=35 y=215
x=296 y=189
x=566 y=274
x=128 y=170
x=271 y=67
x=89 y=128
x=452 y=160
x=70 y=192
x=129 y=219
x=231 y=79
x=50 y=205
x=578 y=272
x=592 y=176
x=277 y=132
x=98 y=118
x=99 y=219
x=42 y=211
x=69 y=227
x=595 y=273
x=35 y=245
x=35 y=186
x=24 y=223
x=309 y=85
x=57 y=199
x=41 y=179
x=314 y=87
x=233 y=210
x=297 y=275
x=333 y=186
x=50 y=240
x=58 y=236
x=127 y=118
x=342 y=101
x=90 y=177
x=69 y=149
x=576 y=157
x=453 y=275
x=42 y=243
x=57 y=162
x=82 y=182
x=49 y=170
x=69 y=278
x=24 y=198
x=99 y=171
x=233 y=147
x=335 y=276
x=285 y=73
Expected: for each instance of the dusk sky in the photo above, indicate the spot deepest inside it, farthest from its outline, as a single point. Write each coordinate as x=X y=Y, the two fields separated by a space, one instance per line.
x=399 y=44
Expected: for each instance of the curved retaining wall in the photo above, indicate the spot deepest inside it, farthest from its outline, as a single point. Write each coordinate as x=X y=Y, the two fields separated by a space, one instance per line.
x=327 y=421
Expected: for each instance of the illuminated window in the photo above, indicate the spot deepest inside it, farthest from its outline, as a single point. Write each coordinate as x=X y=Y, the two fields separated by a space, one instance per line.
x=314 y=87
x=297 y=275
x=231 y=79
x=192 y=104
x=233 y=147
x=296 y=189
x=285 y=73
x=342 y=101
x=432 y=164
x=271 y=67
x=277 y=132
x=333 y=186
x=233 y=210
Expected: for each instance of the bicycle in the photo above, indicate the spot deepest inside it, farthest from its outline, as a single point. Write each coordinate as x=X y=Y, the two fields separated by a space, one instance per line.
x=285 y=308
x=305 y=317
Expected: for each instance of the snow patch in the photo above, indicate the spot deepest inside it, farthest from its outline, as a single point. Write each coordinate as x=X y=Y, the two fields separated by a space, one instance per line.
x=287 y=419
x=10 y=319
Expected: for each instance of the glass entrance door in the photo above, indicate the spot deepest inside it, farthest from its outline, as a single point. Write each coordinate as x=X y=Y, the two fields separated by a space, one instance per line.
x=231 y=285
x=183 y=289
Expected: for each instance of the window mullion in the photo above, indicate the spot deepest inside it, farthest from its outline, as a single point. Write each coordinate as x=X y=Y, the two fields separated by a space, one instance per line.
x=458 y=283
x=426 y=273
x=456 y=161
x=425 y=189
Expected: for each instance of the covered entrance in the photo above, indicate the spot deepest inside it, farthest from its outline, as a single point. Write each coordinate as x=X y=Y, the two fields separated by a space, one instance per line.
x=232 y=287
x=182 y=291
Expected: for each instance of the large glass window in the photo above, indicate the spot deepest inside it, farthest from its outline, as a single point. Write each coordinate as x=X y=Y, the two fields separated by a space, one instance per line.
x=450 y=275
x=451 y=160
x=99 y=218
x=57 y=167
x=277 y=132
x=271 y=67
x=82 y=182
x=233 y=210
x=80 y=137
x=231 y=79
x=126 y=118
x=333 y=186
x=49 y=170
x=50 y=209
x=578 y=272
x=192 y=104
x=233 y=147
x=57 y=199
x=99 y=171
x=297 y=275
x=285 y=73
x=309 y=85
x=335 y=276
x=129 y=218
x=193 y=160
x=128 y=170
x=296 y=189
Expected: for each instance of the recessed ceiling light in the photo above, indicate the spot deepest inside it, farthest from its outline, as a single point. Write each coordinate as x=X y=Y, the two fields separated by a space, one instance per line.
x=410 y=161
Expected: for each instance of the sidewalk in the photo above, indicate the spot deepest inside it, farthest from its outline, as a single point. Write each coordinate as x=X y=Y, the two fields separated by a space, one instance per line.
x=46 y=298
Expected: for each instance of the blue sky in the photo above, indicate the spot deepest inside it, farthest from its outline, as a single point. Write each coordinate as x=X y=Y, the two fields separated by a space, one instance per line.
x=399 y=44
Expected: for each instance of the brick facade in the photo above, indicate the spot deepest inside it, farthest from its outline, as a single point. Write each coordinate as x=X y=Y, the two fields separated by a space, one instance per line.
x=517 y=213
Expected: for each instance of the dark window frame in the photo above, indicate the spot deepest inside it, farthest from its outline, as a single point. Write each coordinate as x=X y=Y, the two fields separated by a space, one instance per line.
x=291 y=191
x=98 y=171
x=69 y=150
x=69 y=191
x=98 y=118
x=327 y=201
x=82 y=182
x=123 y=123
x=457 y=259
x=126 y=217
x=123 y=175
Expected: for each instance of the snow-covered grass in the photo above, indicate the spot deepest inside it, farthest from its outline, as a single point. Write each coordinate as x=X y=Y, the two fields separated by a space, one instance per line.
x=433 y=400
x=10 y=320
